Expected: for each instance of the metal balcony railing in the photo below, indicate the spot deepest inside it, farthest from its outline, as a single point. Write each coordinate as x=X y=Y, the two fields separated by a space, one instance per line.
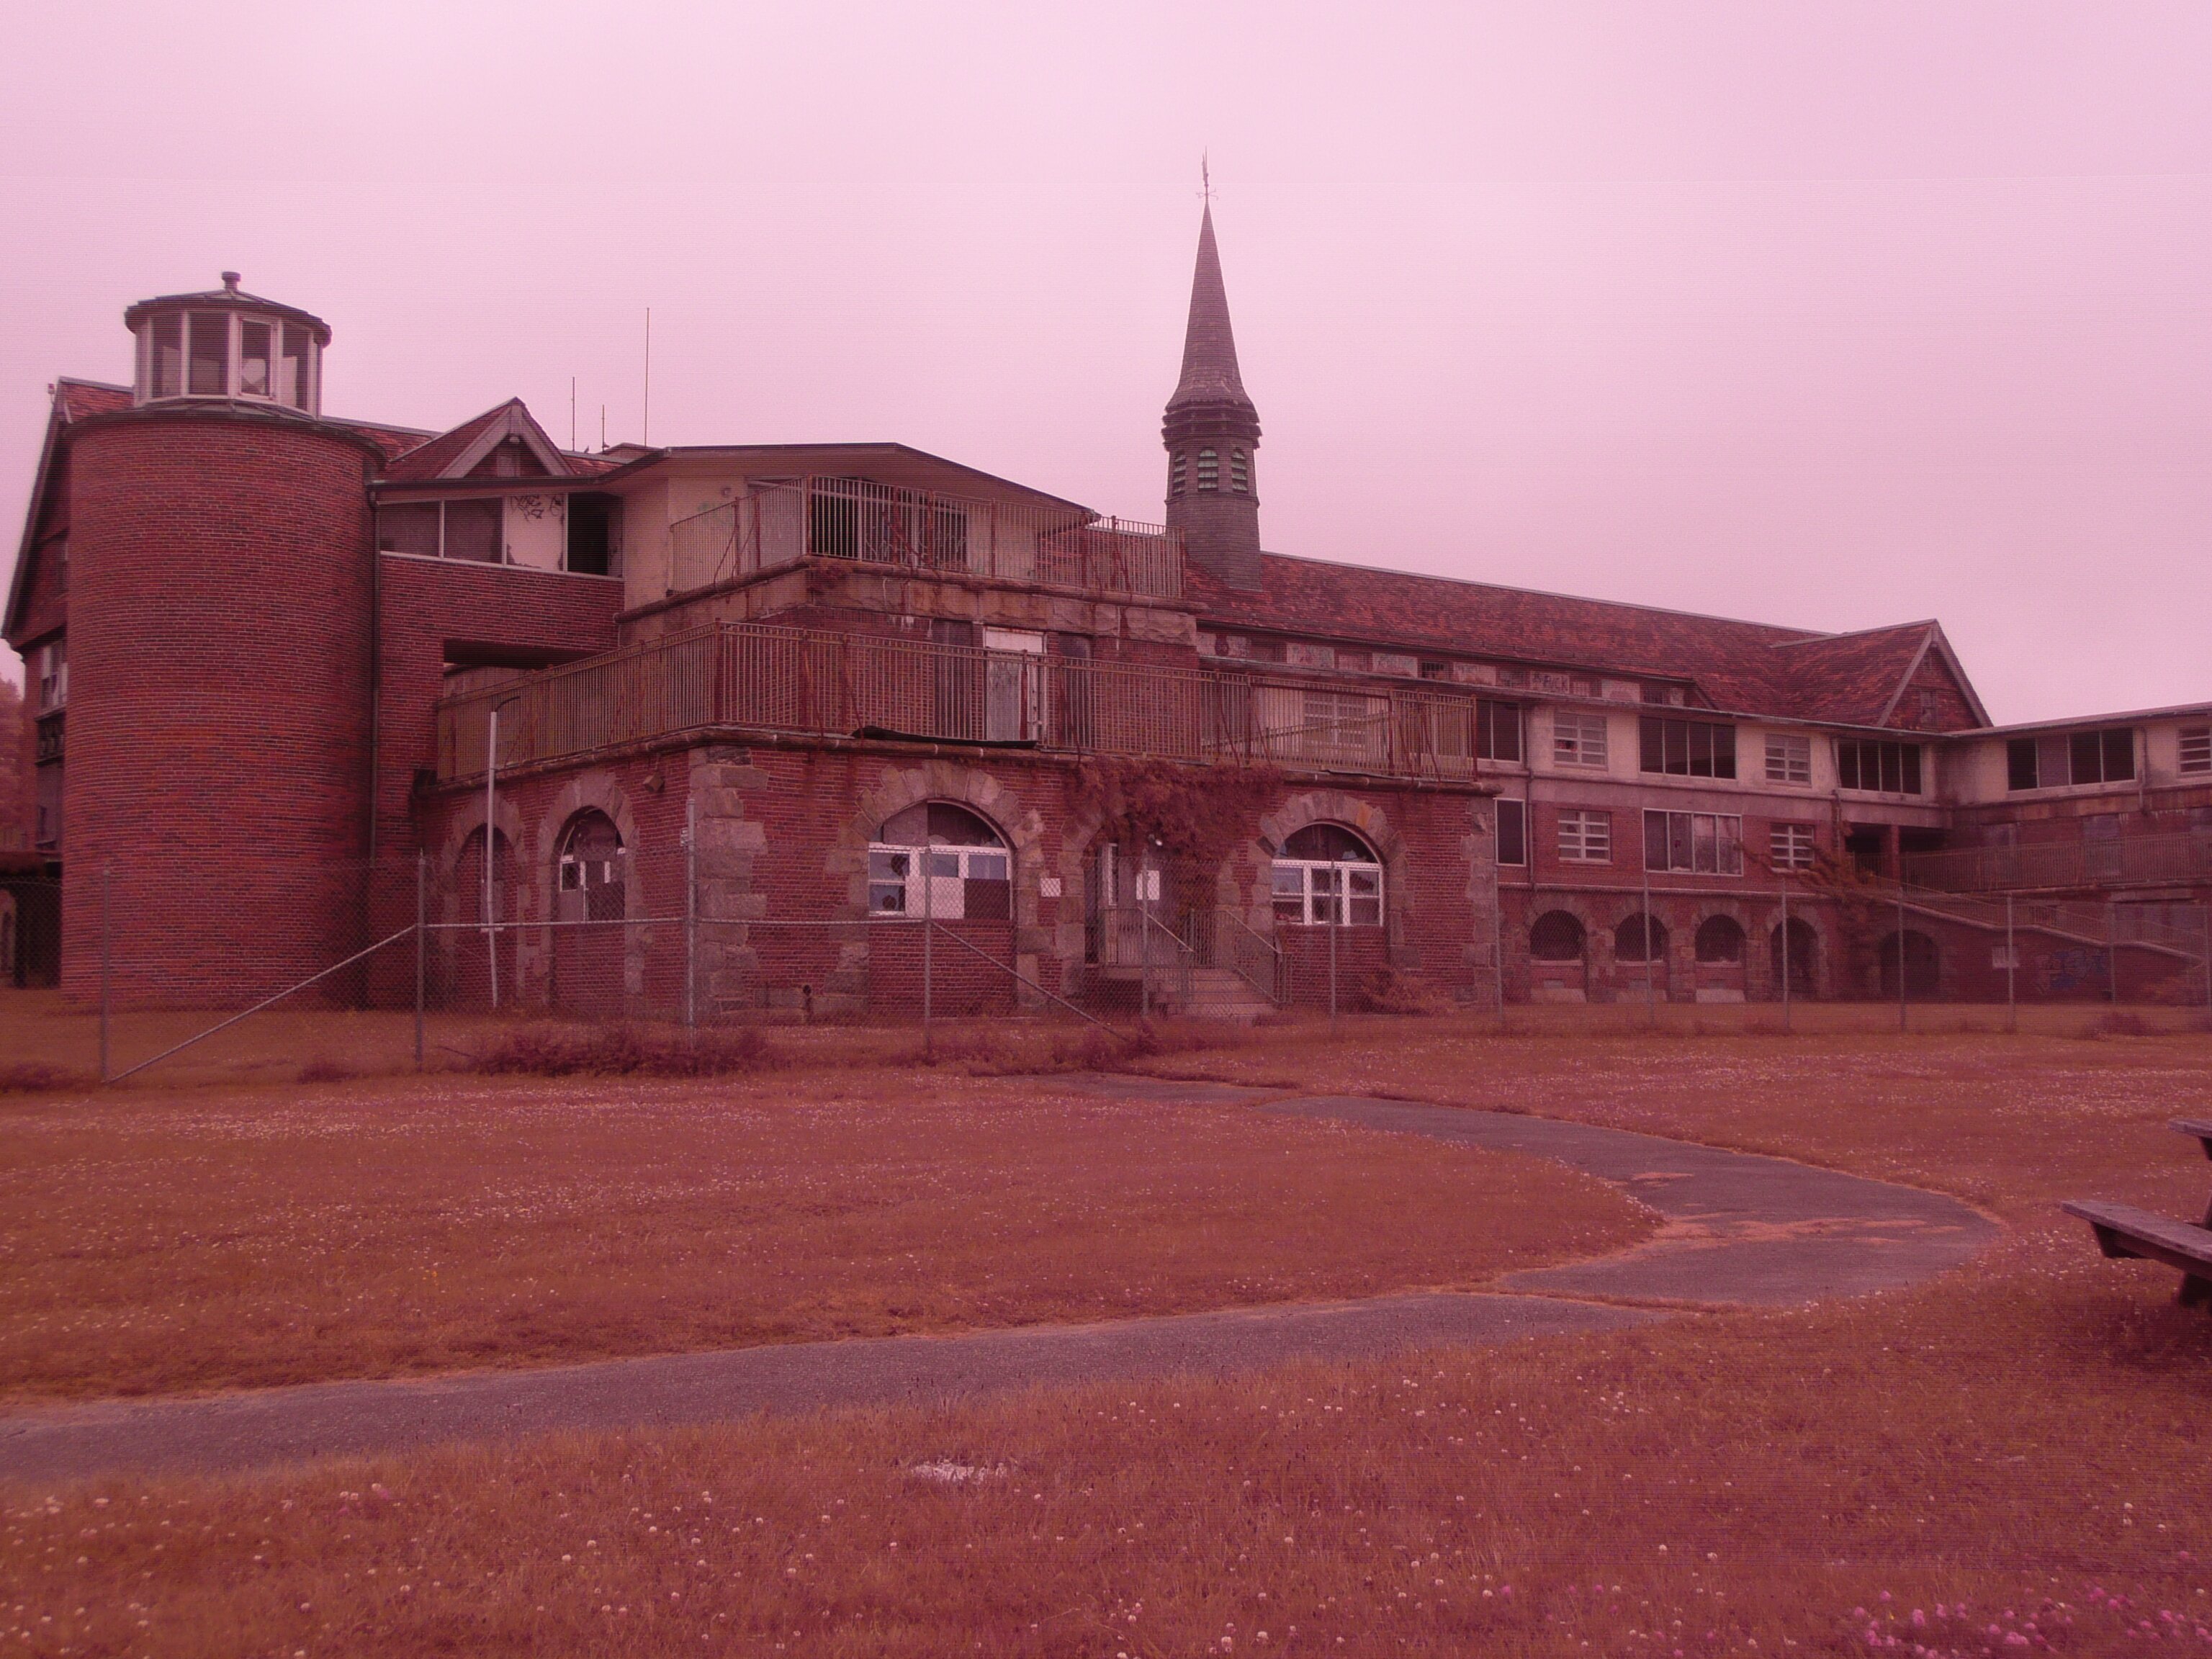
x=2123 y=861
x=779 y=523
x=749 y=677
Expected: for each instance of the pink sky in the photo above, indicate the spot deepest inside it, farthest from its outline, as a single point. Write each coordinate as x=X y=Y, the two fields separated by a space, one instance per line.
x=1830 y=315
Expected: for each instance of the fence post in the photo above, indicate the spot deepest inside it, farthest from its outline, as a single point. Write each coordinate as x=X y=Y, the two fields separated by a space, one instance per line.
x=107 y=876
x=422 y=962
x=491 y=834
x=1901 y=1022
x=2207 y=954
x=2012 y=970
x=1336 y=897
x=2112 y=951
x=1644 y=923
x=929 y=931
x=1498 y=928
x=1785 y=955
x=691 y=913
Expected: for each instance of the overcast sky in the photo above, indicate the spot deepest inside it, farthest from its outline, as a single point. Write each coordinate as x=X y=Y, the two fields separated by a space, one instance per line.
x=1824 y=314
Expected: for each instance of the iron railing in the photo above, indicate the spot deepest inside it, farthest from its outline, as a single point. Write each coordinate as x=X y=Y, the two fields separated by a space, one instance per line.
x=749 y=677
x=2124 y=860
x=778 y=523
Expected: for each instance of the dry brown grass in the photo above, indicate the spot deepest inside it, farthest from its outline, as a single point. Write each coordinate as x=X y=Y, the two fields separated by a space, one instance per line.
x=2008 y=1453
x=225 y=1237
x=2021 y=1445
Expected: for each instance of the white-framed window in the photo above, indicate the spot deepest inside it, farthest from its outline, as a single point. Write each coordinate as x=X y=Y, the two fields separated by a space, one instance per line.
x=2196 y=748
x=966 y=864
x=1304 y=653
x=1789 y=845
x=1701 y=844
x=1327 y=875
x=1578 y=741
x=222 y=353
x=52 y=660
x=473 y=529
x=1789 y=759
x=1209 y=470
x=1585 y=835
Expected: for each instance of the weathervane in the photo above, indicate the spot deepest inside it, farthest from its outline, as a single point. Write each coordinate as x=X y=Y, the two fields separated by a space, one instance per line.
x=1205 y=179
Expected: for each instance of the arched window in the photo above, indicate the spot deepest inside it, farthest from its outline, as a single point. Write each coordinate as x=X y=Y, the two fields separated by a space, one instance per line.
x=1209 y=469
x=1240 y=472
x=1640 y=939
x=1325 y=874
x=969 y=869
x=593 y=881
x=1802 y=949
x=1556 y=937
x=1720 y=938
x=1176 y=477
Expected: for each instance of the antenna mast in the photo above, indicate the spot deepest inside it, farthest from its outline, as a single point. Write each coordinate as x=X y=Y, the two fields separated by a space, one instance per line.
x=648 y=377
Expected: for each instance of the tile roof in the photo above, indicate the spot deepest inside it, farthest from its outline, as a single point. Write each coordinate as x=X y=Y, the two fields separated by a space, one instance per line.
x=1742 y=667
x=82 y=399
x=430 y=460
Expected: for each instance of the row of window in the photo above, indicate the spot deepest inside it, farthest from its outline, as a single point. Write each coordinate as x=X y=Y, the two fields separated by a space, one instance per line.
x=221 y=354
x=1707 y=749
x=1557 y=937
x=1697 y=843
x=1206 y=476
x=575 y=533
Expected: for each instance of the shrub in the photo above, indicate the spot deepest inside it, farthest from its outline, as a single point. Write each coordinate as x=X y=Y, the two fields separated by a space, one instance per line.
x=1392 y=991
x=32 y=1077
x=624 y=1051
x=2116 y=1024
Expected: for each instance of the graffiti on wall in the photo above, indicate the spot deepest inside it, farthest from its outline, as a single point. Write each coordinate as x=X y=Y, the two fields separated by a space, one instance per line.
x=2057 y=972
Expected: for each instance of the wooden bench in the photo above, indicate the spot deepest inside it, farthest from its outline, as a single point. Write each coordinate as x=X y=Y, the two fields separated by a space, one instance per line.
x=2124 y=1231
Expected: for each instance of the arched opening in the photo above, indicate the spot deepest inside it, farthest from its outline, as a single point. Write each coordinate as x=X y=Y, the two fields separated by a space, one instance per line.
x=486 y=955
x=1556 y=937
x=590 y=902
x=963 y=860
x=1802 y=949
x=1640 y=939
x=1720 y=939
x=1922 y=965
x=592 y=879
x=1326 y=875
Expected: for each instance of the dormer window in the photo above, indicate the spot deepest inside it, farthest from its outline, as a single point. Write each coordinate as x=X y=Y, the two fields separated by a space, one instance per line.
x=1240 y=472
x=1209 y=470
x=223 y=345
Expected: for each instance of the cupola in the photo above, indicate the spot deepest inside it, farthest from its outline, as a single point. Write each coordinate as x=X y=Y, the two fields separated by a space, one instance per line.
x=229 y=345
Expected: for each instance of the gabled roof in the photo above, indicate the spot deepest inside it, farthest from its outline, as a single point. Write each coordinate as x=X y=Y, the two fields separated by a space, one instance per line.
x=1744 y=667
x=457 y=453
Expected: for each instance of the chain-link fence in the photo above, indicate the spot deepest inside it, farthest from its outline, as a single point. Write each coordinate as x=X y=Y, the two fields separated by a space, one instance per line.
x=418 y=959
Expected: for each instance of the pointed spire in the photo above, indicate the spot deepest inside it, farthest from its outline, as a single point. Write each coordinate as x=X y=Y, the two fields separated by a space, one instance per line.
x=1209 y=347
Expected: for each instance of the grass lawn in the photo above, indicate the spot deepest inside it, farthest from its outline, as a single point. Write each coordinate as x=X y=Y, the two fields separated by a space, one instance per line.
x=2012 y=1458
x=164 y=1241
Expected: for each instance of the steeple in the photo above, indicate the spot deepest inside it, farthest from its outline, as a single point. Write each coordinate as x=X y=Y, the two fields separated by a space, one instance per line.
x=1212 y=432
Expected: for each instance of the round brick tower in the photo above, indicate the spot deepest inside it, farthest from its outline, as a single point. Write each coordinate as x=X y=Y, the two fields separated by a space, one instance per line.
x=220 y=634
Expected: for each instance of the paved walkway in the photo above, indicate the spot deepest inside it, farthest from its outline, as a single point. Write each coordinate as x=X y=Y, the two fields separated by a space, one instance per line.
x=1738 y=1229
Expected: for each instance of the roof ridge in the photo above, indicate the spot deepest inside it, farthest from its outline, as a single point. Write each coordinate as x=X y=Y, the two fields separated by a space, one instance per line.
x=1575 y=598
x=1861 y=633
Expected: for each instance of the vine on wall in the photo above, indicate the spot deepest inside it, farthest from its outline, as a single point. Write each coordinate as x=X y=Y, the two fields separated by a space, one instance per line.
x=1193 y=817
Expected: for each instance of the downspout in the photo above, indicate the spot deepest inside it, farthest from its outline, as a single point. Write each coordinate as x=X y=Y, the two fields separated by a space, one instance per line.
x=375 y=694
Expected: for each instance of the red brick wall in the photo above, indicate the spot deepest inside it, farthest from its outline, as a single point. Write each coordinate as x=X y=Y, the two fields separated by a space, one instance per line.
x=218 y=723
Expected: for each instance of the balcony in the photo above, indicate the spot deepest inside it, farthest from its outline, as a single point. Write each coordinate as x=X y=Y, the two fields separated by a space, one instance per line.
x=777 y=524
x=2063 y=866
x=741 y=679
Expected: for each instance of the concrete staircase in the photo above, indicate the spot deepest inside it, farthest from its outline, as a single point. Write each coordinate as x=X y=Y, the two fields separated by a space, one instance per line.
x=1224 y=993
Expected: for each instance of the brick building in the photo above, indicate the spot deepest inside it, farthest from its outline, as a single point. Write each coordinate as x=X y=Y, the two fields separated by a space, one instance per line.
x=739 y=688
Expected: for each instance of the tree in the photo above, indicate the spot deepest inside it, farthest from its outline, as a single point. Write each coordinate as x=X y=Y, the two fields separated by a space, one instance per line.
x=15 y=806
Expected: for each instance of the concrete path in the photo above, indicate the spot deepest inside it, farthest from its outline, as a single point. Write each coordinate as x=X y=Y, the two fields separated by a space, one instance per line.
x=1739 y=1228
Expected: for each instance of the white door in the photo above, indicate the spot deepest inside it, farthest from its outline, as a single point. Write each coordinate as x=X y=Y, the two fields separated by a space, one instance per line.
x=1014 y=685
